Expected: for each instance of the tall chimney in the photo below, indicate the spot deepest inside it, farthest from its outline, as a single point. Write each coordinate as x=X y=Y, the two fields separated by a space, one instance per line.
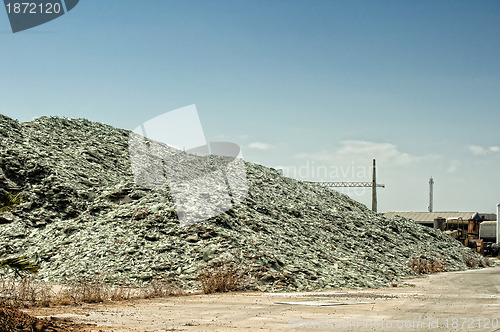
x=431 y=194
x=374 y=189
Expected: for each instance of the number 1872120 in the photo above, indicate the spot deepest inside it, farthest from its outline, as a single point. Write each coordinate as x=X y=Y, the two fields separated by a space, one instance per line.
x=33 y=8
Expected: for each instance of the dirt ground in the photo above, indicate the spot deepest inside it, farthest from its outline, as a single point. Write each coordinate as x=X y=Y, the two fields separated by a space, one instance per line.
x=452 y=301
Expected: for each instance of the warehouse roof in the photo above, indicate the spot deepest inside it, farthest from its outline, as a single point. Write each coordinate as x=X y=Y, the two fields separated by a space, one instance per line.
x=488 y=216
x=428 y=217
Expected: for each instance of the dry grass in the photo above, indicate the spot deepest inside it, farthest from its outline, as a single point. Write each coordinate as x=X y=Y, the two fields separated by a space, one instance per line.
x=161 y=288
x=29 y=292
x=473 y=261
x=82 y=291
x=26 y=292
x=423 y=265
x=222 y=277
x=97 y=292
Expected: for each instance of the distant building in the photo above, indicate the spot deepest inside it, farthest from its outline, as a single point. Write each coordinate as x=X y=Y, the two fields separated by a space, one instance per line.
x=427 y=218
x=488 y=216
x=472 y=229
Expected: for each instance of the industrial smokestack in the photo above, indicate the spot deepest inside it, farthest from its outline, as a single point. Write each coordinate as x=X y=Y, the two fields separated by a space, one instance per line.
x=374 y=188
x=431 y=194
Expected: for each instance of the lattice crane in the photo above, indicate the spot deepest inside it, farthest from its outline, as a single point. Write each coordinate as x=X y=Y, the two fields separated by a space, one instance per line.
x=372 y=184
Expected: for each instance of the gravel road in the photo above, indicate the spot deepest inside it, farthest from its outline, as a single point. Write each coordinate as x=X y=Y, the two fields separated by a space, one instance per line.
x=450 y=301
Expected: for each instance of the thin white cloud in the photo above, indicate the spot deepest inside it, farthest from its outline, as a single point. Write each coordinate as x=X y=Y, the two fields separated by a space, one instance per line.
x=260 y=146
x=478 y=150
x=360 y=151
x=453 y=166
x=386 y=151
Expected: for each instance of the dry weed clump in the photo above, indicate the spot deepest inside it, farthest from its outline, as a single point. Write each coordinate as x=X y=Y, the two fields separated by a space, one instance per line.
x=84 y=291
x=473 y=261
x=161 y=288
x=26 y=292
x=222 y=277
x=29 y=292
x=423 y=265
x=97 y=292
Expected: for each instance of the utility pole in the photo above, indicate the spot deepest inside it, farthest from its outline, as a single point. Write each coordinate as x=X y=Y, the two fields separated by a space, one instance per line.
x=374 y=188
x=373 y=184
x=431 y=194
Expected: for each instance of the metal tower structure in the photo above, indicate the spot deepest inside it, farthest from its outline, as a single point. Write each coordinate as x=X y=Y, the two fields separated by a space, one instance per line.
x=374 y=188
x=431 y=193
x=372 y=184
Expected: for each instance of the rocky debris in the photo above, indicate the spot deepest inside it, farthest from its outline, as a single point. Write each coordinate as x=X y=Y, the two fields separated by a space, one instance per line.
x=83 y=217
x=14 y=320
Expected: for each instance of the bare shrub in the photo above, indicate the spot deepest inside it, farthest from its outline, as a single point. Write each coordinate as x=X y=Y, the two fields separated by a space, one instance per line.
x=45 y=296
x=423 y=265
x=97 y=292
x=84 y=291
x=470 y=261
x=63 y=297
x=27 y=292
x=8 y=292
x=222 y=277
x=473 y=261
x=161 y=288
x=120 y=293
x=487 y=262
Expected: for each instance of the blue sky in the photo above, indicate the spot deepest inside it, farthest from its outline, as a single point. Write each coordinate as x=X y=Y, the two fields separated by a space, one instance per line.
x=299 y=84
